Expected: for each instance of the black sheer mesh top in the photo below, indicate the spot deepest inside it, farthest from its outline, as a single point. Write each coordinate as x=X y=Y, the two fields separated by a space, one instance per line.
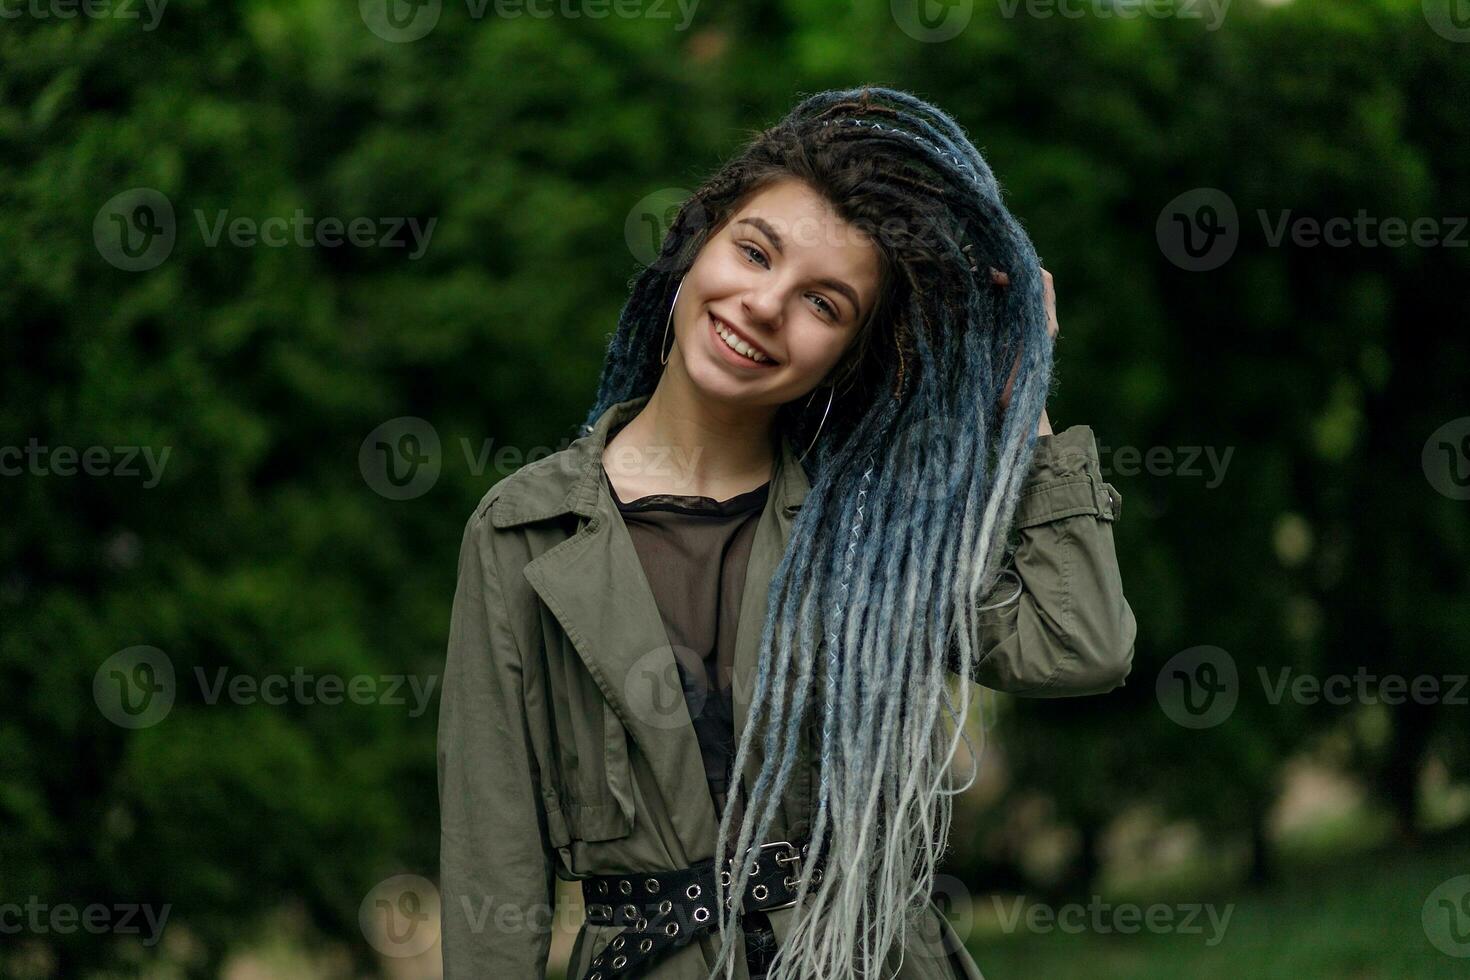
x=694 y=551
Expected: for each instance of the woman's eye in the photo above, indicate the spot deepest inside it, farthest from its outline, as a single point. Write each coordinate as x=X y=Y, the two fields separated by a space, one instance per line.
x=831 y=311
x=752 y=250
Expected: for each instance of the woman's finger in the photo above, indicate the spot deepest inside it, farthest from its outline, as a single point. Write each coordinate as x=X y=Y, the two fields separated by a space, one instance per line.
x=1049 y=291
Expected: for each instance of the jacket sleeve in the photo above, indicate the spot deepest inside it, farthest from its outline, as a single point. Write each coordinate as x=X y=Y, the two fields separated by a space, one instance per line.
x=1059 y=624
x=495 y=862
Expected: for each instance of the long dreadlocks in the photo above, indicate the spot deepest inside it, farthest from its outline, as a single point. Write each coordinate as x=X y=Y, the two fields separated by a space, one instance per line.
x=915 y=480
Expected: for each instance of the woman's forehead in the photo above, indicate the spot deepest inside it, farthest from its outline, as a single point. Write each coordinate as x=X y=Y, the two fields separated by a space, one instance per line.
x=801 y=224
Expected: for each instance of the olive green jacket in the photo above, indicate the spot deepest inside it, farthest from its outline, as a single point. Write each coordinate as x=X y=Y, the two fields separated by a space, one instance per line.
x=565 y=745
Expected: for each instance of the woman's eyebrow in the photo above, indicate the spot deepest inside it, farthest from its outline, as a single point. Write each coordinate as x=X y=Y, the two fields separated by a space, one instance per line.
x=767 y=230
x=834 y=284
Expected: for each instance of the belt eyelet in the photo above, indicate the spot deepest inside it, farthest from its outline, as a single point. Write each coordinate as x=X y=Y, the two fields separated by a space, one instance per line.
x=619 y=962
x=602 y=888
x=791 y=882
x=672 y=928
x=759 y=893
x=645 y=945
x=701 y=914
x=641 y=925
x=693 y=891
x=664 y=907
x=625 y=886
x=652 y=885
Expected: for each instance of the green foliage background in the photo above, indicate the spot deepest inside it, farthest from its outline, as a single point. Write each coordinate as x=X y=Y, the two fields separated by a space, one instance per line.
x=528 y=141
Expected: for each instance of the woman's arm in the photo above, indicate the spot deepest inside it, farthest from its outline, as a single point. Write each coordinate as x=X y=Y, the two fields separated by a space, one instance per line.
x=1069 y=631
x=495 y=862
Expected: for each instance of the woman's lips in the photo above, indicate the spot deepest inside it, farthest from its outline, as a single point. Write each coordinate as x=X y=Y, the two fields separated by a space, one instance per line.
x=732 y=356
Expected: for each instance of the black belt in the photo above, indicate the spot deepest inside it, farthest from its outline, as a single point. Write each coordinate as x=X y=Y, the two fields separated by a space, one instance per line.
x=661 y=911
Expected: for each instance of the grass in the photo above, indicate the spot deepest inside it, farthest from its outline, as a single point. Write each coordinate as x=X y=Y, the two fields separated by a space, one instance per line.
x=1353 y=917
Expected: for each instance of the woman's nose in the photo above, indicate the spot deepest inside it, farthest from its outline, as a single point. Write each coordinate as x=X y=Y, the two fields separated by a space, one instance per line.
x=764 y=306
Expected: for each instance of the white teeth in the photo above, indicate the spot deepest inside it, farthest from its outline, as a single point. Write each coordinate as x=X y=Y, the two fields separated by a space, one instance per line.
x=739 y=346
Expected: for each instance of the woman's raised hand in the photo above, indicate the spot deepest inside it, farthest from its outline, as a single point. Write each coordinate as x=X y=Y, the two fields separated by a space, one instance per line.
x=1049 y=292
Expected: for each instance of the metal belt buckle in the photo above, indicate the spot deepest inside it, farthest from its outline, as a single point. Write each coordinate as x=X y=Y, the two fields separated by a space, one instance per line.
x=794 y=858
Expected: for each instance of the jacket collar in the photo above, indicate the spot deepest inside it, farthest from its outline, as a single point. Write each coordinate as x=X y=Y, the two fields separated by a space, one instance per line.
x=570 y=481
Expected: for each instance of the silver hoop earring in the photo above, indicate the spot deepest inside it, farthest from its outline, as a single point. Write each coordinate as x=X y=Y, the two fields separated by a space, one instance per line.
x=663 y=348
x=831 y=390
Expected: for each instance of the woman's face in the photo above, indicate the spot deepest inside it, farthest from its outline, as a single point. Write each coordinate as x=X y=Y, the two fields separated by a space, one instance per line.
x=785 y=276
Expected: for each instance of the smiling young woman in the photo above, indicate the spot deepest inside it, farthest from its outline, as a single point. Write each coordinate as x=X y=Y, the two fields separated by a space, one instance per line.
x=709 y=660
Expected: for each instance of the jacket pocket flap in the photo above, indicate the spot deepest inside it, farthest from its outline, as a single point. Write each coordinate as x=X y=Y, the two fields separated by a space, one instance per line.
x=597 y=821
